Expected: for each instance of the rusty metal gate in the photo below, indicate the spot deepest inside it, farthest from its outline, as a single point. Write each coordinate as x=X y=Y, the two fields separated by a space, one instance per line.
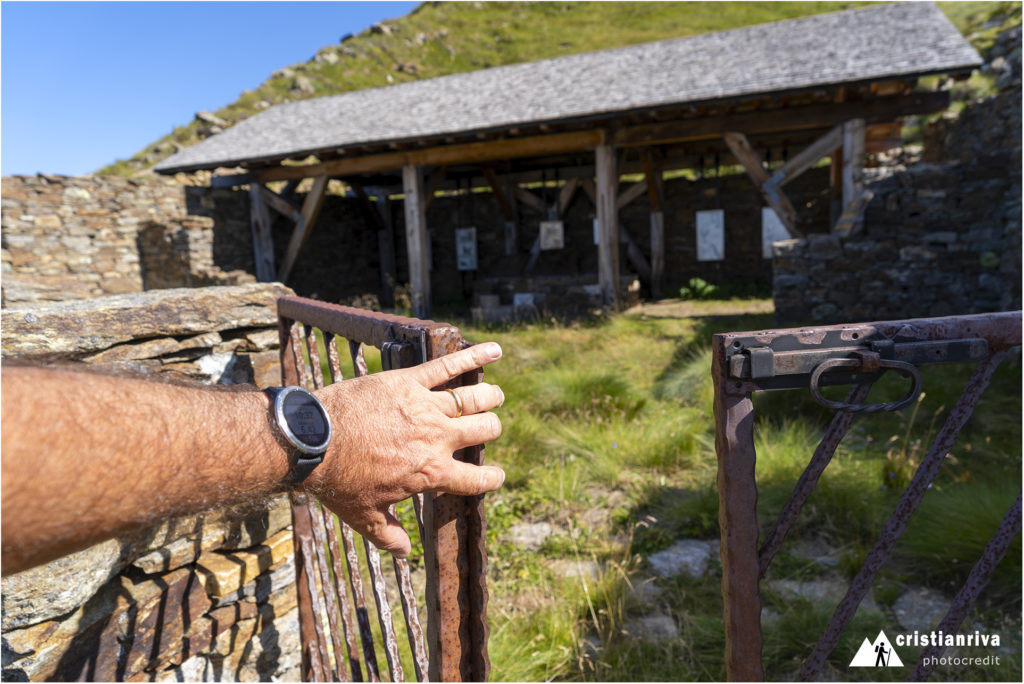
x=451 y=528
x=857 y=355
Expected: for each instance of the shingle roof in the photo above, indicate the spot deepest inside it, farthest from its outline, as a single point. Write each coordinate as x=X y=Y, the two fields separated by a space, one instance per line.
x=872 y=43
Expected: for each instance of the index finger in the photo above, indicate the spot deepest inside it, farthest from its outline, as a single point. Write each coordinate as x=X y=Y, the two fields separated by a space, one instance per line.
x=451 y=366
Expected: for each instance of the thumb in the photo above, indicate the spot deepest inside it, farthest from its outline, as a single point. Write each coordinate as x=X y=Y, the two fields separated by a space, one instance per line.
x=385 y=532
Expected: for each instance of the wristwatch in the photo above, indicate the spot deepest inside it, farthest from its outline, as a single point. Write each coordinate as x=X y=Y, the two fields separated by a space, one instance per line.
x=300 y=417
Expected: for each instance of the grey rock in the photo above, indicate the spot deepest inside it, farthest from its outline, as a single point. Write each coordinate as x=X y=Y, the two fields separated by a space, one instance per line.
x=569 y=568
x=530 y=536
x=210 y=118
x=84 y=326
x=823 y=591
x=920 y=609
x=655 y=627
x=644 y=593
x=302 y=84
x=688 y=555
x=817 y=551
x=61 y=586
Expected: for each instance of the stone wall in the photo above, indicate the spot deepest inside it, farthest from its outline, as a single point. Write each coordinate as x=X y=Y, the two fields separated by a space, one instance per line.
x=78 y=237
x=942 y=236
x=207 y=597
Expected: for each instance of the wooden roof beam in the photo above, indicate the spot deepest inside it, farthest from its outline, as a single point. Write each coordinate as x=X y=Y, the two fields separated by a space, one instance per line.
x=467 y=153
x=812 y=116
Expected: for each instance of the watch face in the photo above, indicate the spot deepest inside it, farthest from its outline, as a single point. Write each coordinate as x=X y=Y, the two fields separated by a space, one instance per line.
x=305 y=419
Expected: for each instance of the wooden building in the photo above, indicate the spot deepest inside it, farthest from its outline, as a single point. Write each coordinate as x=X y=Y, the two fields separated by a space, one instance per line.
x=828 y=85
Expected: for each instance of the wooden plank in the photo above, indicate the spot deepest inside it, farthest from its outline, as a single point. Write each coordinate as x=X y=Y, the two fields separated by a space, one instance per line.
x=741 y=149
x=303 y=226
x=386 y=244
x=566 y=195
x=607 y=186
x=657 y=253
x=262 y=243
x=808 y=157
x=874 y=110
x=635 y=255
x=416 y=241
x=656 y=191
x=852 y=218
x=435 y=182
x=655 y=187
x=630 y=194
x=470 y=153
x=835 y=183
x=531 y=200
x=279 y=204
x=507 y=210
x=853 y=161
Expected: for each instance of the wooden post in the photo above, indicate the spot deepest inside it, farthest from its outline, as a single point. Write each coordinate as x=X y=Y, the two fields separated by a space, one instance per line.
x=607 y=224
x=655 y=191
x=506 y=200
x=835 y=183
x=416 y=240
x=751 y=161
x=262 y=243
x=853 y=162
x=386 y=243
x=304 y=226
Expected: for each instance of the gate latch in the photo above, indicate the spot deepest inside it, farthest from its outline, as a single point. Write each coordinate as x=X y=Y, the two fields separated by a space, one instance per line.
x=791 y=361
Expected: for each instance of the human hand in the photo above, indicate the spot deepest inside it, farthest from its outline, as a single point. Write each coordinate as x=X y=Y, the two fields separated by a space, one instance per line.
x=394 y=437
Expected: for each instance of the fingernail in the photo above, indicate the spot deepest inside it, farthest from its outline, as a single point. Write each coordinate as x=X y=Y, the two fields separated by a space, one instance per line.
x=502 y=475
x=493 y=351
x=502 y=397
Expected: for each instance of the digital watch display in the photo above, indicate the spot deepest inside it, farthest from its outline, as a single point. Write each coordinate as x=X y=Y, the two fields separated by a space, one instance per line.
x=301 y=418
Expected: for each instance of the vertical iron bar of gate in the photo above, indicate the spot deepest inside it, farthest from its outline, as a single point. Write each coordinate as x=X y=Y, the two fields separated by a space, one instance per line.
x=453 y=526
x=737 y=519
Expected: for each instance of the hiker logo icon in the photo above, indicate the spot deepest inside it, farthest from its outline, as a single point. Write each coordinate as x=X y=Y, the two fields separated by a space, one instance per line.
x=878 y=654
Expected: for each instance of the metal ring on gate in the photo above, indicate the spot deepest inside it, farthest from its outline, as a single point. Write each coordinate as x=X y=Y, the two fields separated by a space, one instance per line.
x=906 y=369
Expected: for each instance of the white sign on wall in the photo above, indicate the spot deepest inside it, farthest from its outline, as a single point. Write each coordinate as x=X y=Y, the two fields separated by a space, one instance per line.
x=465 y=248
x=772 y=231
x=711 y=235
x=552 y=235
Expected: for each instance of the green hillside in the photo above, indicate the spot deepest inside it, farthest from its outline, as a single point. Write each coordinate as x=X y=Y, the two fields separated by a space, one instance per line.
x=445 y=38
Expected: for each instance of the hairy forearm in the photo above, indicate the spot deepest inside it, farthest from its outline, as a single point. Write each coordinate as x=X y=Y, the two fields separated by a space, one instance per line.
x=88 y=456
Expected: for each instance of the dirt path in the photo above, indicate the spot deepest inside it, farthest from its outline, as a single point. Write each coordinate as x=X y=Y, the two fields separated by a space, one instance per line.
x=681 y=308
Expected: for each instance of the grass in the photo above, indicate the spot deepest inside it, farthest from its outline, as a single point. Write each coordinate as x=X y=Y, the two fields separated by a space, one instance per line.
x=609 y=438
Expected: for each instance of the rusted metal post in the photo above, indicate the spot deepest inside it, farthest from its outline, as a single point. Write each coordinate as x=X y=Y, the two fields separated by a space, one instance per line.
x=737 y=520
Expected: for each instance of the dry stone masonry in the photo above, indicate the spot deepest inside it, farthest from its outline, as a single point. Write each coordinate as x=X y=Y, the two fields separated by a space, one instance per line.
x=199 y=598
x=76 y=237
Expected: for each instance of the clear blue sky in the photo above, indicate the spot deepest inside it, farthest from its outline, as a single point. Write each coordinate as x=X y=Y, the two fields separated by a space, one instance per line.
x=85 y=83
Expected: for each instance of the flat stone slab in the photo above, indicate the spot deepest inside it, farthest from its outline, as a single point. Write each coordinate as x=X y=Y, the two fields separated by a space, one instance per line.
x=688 y=556
x=58 y=587
x=91 y=325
